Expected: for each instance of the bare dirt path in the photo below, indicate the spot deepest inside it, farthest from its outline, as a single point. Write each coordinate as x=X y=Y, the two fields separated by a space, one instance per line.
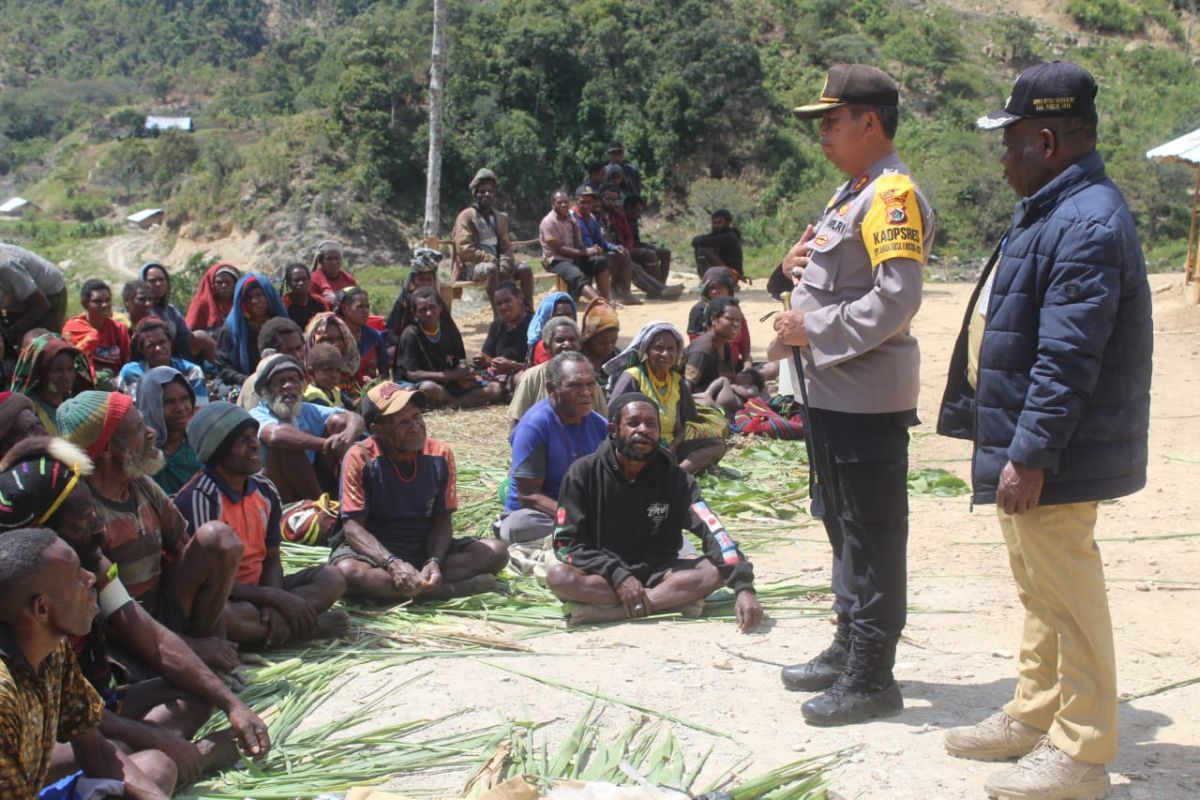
x=956 y=662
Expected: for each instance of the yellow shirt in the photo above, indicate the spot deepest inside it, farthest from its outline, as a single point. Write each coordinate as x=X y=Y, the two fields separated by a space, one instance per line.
x=665 y=397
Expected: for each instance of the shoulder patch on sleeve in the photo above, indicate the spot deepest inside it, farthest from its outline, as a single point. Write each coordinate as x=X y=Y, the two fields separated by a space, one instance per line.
x=893 y=227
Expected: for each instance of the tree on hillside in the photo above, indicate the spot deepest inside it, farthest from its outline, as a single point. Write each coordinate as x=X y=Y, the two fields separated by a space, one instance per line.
x=433 y=177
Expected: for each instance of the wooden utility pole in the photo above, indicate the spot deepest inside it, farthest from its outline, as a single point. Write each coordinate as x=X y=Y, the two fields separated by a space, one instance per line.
x=437 y=78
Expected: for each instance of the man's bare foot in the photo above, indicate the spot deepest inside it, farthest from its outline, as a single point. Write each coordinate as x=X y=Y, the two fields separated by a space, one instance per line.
x=218 y=751
x=584 y=614
x=217 y=653
x=477 y=584
x=332 y=624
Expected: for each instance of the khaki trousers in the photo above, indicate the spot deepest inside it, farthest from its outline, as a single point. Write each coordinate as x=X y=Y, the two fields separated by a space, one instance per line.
x=1067 y=681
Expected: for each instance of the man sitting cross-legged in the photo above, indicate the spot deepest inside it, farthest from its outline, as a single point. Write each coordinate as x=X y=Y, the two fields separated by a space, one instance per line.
x=619 y=528
x=398 y=495
x=42 y=482
x=266 y=607
x=48 y=596
x=548 y=439
x=182 y=578
x=304 y=442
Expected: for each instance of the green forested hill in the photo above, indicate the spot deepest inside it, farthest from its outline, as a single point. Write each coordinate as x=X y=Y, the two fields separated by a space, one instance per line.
x=311 y=113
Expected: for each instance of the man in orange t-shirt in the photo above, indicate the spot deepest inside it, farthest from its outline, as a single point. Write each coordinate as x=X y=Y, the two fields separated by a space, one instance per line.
x=266 y=608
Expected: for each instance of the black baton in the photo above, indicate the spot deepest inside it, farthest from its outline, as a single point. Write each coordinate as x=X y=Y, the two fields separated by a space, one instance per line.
x=816 y=504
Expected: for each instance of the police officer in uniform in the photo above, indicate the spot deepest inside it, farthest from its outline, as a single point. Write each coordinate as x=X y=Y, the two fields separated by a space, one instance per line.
x=858 y=273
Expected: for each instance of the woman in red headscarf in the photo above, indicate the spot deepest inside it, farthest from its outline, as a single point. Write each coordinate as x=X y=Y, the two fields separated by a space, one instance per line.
x=214 y=298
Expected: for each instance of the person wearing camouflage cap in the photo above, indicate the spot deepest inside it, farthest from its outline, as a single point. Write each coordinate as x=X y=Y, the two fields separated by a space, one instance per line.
x=480 y=234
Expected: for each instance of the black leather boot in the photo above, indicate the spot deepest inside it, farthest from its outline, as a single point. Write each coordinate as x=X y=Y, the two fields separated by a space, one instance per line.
x=865 y=690
x=819 y=674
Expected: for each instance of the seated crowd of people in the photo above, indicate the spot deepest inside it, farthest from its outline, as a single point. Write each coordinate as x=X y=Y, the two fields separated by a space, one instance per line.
x=153 y=461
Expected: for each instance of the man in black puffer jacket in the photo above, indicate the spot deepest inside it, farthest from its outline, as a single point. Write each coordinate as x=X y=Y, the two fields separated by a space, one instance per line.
x=1051 y=379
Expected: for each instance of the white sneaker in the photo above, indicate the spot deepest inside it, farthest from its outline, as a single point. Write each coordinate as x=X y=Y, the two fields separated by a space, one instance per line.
x=997 y=738
x=1049 y=774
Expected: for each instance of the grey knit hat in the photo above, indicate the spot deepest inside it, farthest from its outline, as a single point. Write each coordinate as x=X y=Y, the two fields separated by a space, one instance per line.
x=212 y=425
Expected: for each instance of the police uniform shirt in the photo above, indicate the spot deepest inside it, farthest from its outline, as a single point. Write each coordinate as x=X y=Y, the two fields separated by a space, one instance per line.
x=860 y=291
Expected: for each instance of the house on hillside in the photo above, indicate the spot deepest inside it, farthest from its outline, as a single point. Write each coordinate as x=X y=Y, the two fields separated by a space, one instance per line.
x=1186 y=151
x=15 y=207
x=146 y=218
x=154 y=123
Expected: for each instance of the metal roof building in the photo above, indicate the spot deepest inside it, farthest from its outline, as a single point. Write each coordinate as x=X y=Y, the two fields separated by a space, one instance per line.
x=14 y=206
x=1186 y=150
x=154 y=123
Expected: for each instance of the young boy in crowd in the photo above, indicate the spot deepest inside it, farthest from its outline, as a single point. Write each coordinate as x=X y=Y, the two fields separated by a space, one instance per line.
x=324 y=374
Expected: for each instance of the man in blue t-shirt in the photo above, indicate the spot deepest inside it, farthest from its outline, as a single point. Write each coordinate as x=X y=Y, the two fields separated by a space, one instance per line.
x=551 y=436
x=294 y=432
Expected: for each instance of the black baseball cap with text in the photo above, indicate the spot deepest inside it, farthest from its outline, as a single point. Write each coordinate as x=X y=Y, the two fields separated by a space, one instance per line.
x=1053 y=89
x=860 y=84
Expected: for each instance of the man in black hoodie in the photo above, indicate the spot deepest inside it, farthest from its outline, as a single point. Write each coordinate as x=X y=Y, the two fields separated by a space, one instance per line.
x=619 y=527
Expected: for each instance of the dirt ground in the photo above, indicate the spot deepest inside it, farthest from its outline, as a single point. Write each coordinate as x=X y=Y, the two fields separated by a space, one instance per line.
x=957 y=660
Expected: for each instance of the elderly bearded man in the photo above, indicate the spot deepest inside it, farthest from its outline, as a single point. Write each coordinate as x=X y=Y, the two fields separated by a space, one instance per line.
x=295 y=433
x=181 y=577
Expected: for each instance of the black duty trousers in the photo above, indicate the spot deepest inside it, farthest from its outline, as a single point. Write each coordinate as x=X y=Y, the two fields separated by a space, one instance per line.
x=861 y=463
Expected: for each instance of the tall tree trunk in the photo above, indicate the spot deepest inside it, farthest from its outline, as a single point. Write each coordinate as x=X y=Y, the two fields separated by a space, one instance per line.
x=433 y=179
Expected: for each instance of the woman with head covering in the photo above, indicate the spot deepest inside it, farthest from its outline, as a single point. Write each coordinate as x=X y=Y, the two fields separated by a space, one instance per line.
x=328 y=328
x=254 y=302
x=214 y=298
x=152 y=348
x=186 y=343
x=599 y=327
x=299 y=298
x=720 y=282
x=354 y=309
x=651 y=366
x=48 y=371
x=424 y=273
x=104 y=341
x=167 y=403
x=614 y=176
x=328 y=275
x=18 y=420
x=555 y=304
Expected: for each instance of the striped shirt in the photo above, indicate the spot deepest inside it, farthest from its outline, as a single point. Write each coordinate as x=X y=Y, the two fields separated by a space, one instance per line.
x=137 y=533
x=254 y=516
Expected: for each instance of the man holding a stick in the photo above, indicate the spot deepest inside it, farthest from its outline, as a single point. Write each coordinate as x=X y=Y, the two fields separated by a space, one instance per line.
x=858 y=274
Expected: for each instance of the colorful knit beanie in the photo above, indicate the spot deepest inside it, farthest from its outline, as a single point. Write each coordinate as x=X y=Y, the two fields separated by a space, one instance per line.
x=90 y=418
